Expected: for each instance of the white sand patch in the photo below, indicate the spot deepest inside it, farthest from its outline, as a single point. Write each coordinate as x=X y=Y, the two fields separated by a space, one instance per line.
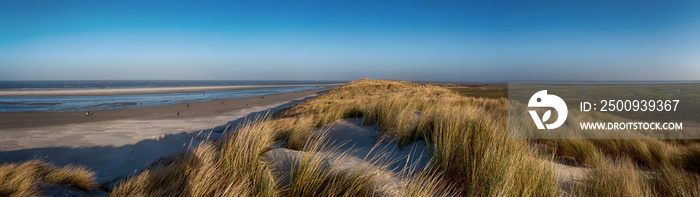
x=359 y=141
x=117 y=132
x=363 y=144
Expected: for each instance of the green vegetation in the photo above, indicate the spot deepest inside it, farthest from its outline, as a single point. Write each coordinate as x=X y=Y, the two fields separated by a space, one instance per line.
x=482 y=91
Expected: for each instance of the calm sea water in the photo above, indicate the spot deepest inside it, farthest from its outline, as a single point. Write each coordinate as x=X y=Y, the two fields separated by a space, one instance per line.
x=94 y=103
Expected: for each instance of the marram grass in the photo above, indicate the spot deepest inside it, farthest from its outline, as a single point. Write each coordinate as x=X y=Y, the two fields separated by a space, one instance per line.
x=25 y=179
x=470 y=152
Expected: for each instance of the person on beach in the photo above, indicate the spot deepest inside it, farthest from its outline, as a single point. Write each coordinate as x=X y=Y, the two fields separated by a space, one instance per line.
x=188 y=105
x=178 y=113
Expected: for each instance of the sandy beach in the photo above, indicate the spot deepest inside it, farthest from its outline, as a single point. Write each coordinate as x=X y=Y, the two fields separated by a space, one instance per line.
x=25 y=120
x=116 y=143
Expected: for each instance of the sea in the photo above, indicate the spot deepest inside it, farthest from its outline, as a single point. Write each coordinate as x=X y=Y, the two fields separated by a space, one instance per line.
x=95 y=103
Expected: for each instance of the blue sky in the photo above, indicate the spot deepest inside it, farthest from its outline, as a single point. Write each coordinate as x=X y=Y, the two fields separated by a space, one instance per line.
x=349 y=40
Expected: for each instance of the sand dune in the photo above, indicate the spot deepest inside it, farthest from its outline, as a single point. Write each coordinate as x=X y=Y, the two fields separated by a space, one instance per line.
x=362 y=144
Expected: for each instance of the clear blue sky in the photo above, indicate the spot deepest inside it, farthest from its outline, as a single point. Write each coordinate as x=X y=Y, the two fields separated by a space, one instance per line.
x=334 y=40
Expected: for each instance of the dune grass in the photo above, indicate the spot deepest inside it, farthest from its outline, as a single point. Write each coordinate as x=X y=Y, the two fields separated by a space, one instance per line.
x=311 y=178
x=634 y=167
x=229 y=167
x=25 y=179
x=471 y=144
x=471 y=154
x=616 y=178
x=370 y=178
x=624 y=177
x=468 y=134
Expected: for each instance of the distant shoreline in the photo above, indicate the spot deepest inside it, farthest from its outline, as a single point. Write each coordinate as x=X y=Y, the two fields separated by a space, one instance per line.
x=132 y=91
x=114 y=143
x=21 y=121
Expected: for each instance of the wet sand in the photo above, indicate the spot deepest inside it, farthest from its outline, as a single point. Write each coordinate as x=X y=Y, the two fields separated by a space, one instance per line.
x=23 y=120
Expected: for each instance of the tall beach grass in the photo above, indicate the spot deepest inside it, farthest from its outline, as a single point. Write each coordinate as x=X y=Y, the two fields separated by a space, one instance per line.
x=470 y=153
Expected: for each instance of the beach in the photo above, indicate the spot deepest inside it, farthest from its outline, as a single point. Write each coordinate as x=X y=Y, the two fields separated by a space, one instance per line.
x=116 y=143
x=26 y=120
x=129 y=91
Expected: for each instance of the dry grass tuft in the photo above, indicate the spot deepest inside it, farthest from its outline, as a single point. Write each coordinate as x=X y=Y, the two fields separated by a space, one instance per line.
x=617 y=178
x=690 y=159
x=229 y=167
x=25 y=179
x=312 y=177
